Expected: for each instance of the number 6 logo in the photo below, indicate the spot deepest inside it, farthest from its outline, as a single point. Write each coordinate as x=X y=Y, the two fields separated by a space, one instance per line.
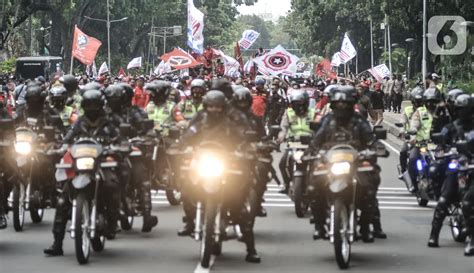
x=447 y=35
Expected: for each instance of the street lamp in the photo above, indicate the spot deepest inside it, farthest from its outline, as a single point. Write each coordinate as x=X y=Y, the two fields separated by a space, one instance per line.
x=108 y=22
x=408 y=41
x=163 y=32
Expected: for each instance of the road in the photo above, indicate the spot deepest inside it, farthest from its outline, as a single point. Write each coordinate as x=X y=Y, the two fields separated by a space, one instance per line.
x=284 y=242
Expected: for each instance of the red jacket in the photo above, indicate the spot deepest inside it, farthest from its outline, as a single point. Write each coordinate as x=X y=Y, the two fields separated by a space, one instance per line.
x=141 y=98
x=259 y=105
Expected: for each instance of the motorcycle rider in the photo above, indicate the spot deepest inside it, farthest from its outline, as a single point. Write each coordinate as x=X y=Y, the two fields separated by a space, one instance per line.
x=214 y=124
x=94 y=124
x=344 y=125
x=189 y=107
x=58 y=97
x=5 y=185
x=119 y=101
x=160 y=109
x=453 y=132
x=73 y=97
x=295 y=123
x=276 y=106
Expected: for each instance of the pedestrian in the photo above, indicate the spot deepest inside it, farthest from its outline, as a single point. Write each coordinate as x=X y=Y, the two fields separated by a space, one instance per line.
x=141 y=97
x=398 y=94
x=388 y=92
x=377 y=98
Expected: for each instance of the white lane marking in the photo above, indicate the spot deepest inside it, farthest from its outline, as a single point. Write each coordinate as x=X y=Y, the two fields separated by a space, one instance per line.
x=393 y=188
x=404 y=208
x=394 y=192
x=200 y=269
x=396 y=197
x=390 y=146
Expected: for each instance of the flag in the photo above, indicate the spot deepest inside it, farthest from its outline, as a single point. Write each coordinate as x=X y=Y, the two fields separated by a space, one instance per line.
x=323 y=69
x=94 y=69
x=103 y=69
x=248 y=66
x=231 y=66
x=380 y=71
x=84 y=48
x=348 y=52
x=336 y=59
x=135 y=63
x=179 y=59
x=121 y=73
x=248 y=38
x=277 y=61
x=162 y=68
x=195 y=28
x=238 y=56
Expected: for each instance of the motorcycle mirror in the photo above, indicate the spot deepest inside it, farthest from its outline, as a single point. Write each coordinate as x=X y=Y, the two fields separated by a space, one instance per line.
x=437 y=138
x=125 y=129
x=313 y=125
x=380 y=133
x=411 y=132
x=398 y=124
x=174 y=133
x=305 y=140
x=48 y=132
x=56 y=121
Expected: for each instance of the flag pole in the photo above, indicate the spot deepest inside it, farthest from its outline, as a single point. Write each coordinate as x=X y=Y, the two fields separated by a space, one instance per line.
x=72 y=55
x=72 y=64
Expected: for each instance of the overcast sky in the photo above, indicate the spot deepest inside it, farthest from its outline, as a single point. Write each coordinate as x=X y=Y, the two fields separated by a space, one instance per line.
x=276 y=7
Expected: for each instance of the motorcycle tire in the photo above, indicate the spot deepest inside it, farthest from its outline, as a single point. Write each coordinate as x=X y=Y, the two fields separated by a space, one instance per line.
x=98 y=243
x=207 y=241
x=127 y=219
x=82 y=242
x=36 y=212
x=174 y=197
x=342 y=245
x=301 y=205
x=18 y=206
x=456 y=225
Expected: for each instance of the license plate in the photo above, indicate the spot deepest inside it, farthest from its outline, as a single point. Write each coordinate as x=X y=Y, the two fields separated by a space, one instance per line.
x=341 y=157
x=86 y=152
x=24 y=138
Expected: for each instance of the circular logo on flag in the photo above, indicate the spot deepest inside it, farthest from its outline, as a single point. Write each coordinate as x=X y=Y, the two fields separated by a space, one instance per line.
x=300 y=65
x=179 y=60
x=277 y=61
x=82 y=41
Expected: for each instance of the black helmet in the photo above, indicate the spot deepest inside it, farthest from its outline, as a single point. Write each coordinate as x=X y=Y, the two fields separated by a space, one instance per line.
x=113 y=96
x=464 y=100
x=242 y=99
x=34 y=94
x=299 y=100
x=432 y=94
x=343 y=93
x=159 y=91
x=416 y=96
x=453 y=94
x=58 y=96
x=224 y=86
x=464 y=105
x=127 y=94
x=215 y=98
x=92 y=103
x=90 y=86
x=198 y=83
x=70 y=83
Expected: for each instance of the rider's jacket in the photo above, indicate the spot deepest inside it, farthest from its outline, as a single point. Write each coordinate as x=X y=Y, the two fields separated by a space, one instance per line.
x=421 y=123
x=299 y=125
x=162 y=114
x=101 y=130
x=189 y=109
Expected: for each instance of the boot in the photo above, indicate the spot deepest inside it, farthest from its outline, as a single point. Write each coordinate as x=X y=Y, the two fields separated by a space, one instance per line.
x=319 y=232
x=366 y=234
x=252 y=255
x=436 y=225
x=149 y=222
x=56 y=249
x=187 y=230
x=469 y=250
x=3 y=221
x=262 y=212
x=284 y=190
x=378 y=232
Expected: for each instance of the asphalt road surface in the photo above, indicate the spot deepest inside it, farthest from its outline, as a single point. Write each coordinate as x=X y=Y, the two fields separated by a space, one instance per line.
x=284 y=242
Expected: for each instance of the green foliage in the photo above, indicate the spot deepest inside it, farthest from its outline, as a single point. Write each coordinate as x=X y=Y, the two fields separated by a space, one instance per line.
x=7 y=66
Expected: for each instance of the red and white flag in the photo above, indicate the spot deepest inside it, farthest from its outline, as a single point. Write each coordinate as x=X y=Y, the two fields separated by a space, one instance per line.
x=380 y=71
x=248 y=38
x=103 y=69
x=336 y=60
x=84 y=48
x=277 y=61
x=179 y=59
x=135 y=63
x=348 y=51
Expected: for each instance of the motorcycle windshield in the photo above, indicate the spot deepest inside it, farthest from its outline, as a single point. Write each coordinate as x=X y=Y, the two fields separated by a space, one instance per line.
x=86 y=150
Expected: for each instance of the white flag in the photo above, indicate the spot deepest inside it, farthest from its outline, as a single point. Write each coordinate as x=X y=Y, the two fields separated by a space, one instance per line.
x=336 y=59
x=162 y=68
x=380 y=71
x=248 y=38
x=195 y=28
x=277 y=61
x=103 y=69
x=348 y=51
x=94 y=70
x=248 y=66
x=231 y=65
x=135 y=63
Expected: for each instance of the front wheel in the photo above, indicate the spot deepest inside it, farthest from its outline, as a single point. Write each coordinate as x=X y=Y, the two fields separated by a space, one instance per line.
x=301 y=205
x=36 y=210
x=456 y=223
x=342 y=244
x=18 y=206
x=208 y=242
x=82 y=240
x=174 y=197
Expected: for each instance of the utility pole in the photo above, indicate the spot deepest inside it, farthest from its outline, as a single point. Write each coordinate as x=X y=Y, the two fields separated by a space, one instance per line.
x=371 y=44
x=389 y=45
x=150 y=45
x=423 y=62
x=164 y=32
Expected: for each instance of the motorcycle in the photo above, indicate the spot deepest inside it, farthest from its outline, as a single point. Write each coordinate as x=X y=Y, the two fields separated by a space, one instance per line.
x=219 y=181
x=426 y=189
x=28 y=194
x=90 y=165
x=341 y=166
x=297 y=190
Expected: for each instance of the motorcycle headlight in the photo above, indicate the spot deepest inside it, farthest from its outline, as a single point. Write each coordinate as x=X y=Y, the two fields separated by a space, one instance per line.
x=23 y=148
x=210 y=166
x=419 y=165
x=341 y=168
x=423 y=150
x=453 y=165
x=85 y=164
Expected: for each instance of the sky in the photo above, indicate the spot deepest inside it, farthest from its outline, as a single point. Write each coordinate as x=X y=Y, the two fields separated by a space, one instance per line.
x=276 y=7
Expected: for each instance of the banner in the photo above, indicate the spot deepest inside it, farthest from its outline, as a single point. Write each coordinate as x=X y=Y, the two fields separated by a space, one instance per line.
x=135 y=63
x=103 y=69
x=336 y=60
x=380 y=71
x=179 y=59
x=324 y=69
x=195 y=28
x=348 y=52
x=277 y=61
x=162 y=68
x=84 y=48
x=231 y=66
x=248 y=38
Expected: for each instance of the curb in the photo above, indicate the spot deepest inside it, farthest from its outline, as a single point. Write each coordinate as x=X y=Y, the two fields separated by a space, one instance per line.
x=392 y=129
